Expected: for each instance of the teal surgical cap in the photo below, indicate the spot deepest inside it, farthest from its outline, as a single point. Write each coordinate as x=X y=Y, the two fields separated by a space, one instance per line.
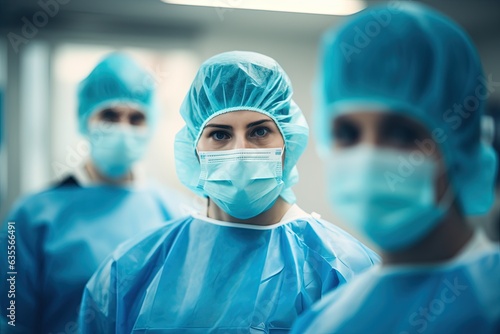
x=116 y=80
x=410 y=59
x=234 y=81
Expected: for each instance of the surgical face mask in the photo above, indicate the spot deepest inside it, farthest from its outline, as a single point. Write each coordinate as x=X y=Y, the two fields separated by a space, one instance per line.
x=387 y=195
x=114 y=148
x=242 y=182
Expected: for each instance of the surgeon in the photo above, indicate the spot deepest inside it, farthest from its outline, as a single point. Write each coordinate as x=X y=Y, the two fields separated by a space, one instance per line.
x=252 y=261
x=399 y=121
x=62 y=234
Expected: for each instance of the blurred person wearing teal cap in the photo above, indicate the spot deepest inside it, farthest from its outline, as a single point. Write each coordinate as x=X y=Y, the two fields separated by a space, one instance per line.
x=62 y=234
x=117 y=112
x=253 y=260
x=398 y=117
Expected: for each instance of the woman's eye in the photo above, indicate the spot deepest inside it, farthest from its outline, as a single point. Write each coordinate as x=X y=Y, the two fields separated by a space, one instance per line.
x=137 y=119
x=260 y=132
x=109 y=115
x=345 y=134
x=219 y=135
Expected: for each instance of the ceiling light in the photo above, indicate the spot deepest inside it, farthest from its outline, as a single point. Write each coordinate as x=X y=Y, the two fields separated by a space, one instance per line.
x=325 y=7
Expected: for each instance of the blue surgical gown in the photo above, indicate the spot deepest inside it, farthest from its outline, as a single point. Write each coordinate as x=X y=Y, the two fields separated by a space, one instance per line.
x=198 y=275
x=459 y=297
x=61 y=237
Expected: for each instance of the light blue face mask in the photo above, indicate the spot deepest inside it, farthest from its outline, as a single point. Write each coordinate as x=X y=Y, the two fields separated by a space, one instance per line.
x=242 y=182
x=115 y=148
x=387 y=195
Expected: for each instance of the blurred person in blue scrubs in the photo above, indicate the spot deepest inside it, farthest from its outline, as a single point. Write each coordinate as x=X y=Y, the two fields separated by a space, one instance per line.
x=399 y=123
x=62 y=234
x=253 y=260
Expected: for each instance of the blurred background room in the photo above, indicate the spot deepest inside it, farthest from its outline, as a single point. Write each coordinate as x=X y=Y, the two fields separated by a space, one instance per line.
x=48 y=46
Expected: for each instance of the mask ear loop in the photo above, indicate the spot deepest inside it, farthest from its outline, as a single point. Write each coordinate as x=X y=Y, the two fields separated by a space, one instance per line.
x=200 y=181
x=283 y=149
x=201 y=178
x=282 y=162
x=447 y=200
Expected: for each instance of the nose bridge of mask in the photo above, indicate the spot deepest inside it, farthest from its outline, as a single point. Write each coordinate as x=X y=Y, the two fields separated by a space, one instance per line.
x=241 y=165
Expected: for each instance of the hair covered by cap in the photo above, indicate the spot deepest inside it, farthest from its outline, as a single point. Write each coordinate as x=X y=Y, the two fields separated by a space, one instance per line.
x=413 y=60
x=235 y=81
x=116 y=80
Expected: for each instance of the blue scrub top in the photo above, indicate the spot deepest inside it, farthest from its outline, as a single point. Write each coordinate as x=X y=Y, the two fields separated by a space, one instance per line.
x=61 y=237
x=458 y=297
x=199 y=275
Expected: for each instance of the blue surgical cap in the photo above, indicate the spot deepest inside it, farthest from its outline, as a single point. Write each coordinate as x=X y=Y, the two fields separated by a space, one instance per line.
x=116 y=80
x=235 y=81
x=410 y=59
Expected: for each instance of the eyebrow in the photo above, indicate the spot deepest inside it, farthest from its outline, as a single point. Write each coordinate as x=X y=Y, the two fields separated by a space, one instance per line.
x=258 y=123
x=229 y=127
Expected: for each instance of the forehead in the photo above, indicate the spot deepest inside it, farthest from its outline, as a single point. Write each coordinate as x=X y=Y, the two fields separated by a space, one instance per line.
x=239 y=117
